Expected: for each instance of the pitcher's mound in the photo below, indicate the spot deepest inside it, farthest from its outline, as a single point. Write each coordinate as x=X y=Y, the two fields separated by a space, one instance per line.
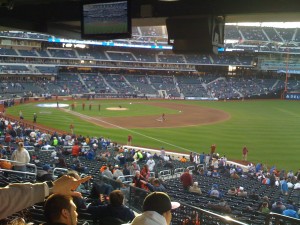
x=117 y=109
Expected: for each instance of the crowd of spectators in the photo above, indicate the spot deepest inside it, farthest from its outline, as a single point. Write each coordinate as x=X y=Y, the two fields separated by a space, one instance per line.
x=141 y=169
x=119 y=82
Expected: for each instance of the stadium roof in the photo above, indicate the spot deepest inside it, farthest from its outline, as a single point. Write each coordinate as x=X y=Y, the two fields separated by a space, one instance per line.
x=56 y=16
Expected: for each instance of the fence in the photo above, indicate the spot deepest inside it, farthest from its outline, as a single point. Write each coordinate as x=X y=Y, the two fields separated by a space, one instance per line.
x=276 y=219
x=184 y=215
x=21 y=173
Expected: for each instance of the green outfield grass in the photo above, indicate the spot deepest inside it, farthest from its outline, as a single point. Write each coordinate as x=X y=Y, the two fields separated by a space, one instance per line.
x=105 y=28
x=268 y=128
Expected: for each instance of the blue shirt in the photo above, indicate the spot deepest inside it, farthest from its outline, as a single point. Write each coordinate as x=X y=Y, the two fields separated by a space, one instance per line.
x=290 y=213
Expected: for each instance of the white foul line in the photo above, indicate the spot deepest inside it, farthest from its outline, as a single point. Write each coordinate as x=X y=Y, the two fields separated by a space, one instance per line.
x=123 y=128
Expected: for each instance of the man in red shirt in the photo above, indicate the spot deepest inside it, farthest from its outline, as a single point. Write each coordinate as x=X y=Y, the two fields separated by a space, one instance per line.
x=245 y=153
x=7 y=139
x=75 y=149
x=186 y=179
x=129 y=140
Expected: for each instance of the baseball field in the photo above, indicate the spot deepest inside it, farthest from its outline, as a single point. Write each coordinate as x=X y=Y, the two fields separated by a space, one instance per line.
x=269 y=128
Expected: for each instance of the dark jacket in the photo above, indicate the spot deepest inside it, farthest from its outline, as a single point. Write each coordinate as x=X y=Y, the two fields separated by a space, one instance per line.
x=160 y=188
x=54 y=224
x=103 y=211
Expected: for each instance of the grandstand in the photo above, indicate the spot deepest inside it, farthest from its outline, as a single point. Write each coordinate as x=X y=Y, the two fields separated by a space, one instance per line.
x=109 y=72
x=153 y=61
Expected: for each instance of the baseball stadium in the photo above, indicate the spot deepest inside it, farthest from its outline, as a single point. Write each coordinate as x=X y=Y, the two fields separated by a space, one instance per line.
x=139 y=117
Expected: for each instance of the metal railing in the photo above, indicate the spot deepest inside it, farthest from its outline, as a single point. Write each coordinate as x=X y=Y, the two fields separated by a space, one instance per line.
x=126 y=179
x=48 y=148
x=29 y=148
x=191 y=168
x=276 y=219
x=165 y=174
x=58 y=171
x=21 y=173
x=185 y=213
x=178 y=172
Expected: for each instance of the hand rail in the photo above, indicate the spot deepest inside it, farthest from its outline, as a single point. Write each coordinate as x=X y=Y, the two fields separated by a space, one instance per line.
x=276 y=219
x=20 y=172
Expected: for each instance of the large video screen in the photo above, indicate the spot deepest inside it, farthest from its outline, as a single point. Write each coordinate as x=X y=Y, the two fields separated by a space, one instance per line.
x=105 y=20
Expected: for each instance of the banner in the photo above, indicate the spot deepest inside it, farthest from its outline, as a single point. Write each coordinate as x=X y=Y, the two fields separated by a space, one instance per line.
x=292 y=96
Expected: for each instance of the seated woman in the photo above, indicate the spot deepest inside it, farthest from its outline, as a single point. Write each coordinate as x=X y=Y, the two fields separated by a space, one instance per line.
x=232 y=191
x=264 y=208
x=195 y=188
x=221 y=206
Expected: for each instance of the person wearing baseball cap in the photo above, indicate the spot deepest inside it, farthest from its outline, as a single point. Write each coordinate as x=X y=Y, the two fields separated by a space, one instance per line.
x=157 y=208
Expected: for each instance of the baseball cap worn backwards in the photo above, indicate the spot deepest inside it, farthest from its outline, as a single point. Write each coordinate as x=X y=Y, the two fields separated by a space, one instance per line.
x=159 y=202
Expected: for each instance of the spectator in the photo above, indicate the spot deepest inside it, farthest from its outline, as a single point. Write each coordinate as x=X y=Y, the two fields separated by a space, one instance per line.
x=284 y=187
x=145 y=172
x=264 y=208
x=214 y=192
x=297 y=185
x=115 y=209
x=157 y=208
x=235 y=176
x=297 y=175
x=60 y=209
x=253 y=195
x=291 y=212
x=79 y=202
x=125 y=190
x=186 y=179
x=134 y=167
x=151 y=163
x=7 y=139
x=55 y=142
x=215 y=174
x=76 y=149
x=126 y=171
x=289 y=183
x=242 y=192
x=215 y=164
x=138 y=156
x=107 y=173
x=278 y=207
x=90 y=155
x=122 y=159
x=265 y=199
x=195 y=189
x=155 y=186
x=290 y=174
x=45 y=174
x=117 y=172
x=16 y=197
x=232 y=191
x=221 y=206
x=137 y=180
x=5 y=164
x=191 y=157
x=21 y=156
x=183 y=159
